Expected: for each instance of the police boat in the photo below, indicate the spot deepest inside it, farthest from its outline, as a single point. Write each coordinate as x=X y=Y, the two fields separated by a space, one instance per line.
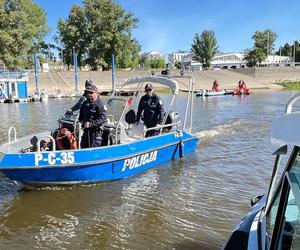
x=274 y=219
x=55 y=158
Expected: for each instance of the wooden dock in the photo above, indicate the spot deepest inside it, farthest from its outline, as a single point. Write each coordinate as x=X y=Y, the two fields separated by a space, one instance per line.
x=16 y=100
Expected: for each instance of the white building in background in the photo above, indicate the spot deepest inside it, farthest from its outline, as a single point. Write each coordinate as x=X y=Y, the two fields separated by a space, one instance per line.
x=45 y=67
x=228 y=61
x=236 y=61
x=191 y=64
x=186 y=58
x=176 y=57
x=276 y=60
x=153 y=55
x=225 y=60
x=2 y=65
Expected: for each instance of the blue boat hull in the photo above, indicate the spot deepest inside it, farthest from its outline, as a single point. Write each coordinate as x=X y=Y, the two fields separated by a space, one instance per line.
x=96 y=164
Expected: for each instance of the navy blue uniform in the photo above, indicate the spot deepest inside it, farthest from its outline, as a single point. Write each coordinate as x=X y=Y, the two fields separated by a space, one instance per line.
x=81 y=100
x=153 y=112
x=94 y=113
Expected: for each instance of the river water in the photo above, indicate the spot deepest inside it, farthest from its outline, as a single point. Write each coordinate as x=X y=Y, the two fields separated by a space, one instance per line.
x=192 y=203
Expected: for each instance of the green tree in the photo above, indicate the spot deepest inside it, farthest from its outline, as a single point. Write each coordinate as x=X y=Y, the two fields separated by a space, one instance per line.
x=177 y=64
x=204 y=48
x=265 y=41
x=297 y=51
x=143 y=61
x=23 y=28
x=288 y=50
x=97 y=30
x=254 y=57
x=263 y=46
x=285 y=50
x=157 y=63
x=73 y=35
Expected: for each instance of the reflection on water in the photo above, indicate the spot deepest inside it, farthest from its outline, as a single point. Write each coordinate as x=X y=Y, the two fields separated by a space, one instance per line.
x=192 y=203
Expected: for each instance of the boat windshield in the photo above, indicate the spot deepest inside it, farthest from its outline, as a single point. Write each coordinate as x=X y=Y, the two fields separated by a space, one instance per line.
x=283 y=219
x=115 y=108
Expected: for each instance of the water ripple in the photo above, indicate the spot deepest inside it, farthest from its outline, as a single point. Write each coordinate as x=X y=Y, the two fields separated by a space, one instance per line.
x=192 y=203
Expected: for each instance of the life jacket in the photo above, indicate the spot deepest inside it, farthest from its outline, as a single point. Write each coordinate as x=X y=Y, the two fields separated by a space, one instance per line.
x=215 y=86
x=69 y=136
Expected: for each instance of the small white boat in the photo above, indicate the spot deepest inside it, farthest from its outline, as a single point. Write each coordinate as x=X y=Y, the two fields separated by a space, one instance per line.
x=55 y=94
x=204 y=92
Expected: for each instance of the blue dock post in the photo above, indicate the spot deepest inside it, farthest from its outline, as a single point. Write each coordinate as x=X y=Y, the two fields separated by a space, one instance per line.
x=36 y=73
x=113 y=72
x=75 y=70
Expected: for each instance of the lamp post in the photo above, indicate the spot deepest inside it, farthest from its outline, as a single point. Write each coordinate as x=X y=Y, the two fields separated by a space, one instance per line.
x=62 y=58
x=294 y=53
x=268 y=49
x=49 y=54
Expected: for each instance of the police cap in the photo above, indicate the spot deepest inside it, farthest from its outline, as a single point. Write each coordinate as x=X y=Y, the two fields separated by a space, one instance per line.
x=91 y=88
x=88 y=82
x=149 y=87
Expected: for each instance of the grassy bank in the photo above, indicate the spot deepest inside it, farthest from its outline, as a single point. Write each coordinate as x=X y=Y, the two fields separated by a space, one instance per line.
x=290 y=85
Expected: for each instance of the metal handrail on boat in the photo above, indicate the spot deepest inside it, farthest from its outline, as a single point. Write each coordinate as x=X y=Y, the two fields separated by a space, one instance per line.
x=39 y=143
x=189 y=103
x=160 y=127
x=290 y=103
x=15 y=133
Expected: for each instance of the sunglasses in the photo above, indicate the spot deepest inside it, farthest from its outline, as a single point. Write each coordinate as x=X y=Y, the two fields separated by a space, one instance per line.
x=90 y=93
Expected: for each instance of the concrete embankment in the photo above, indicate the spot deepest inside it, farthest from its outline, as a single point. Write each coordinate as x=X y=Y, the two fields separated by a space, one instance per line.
x=258 y=78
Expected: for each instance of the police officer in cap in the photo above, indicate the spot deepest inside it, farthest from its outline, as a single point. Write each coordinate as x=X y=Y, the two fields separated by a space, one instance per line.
x=152 y=107
x=81 y=100
x=92 y=117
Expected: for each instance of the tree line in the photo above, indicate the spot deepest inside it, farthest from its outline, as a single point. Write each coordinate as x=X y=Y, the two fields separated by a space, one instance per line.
x=99 y=28
x=205 y=47
x=94 y=31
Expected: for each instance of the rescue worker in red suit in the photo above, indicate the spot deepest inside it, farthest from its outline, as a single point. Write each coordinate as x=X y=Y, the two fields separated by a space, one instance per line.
x=242 y=88
x=215 y=86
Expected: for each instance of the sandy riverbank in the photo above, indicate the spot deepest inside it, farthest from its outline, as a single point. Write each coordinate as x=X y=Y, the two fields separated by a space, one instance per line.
x=228 y=79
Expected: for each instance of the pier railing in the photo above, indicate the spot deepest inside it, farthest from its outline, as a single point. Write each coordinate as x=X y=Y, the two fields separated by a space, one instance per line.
x=5 y=74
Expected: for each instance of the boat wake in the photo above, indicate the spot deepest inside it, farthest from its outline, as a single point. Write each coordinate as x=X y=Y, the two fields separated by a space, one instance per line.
x=223 y=129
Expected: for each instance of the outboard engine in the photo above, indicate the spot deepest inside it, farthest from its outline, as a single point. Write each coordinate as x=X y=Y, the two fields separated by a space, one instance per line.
x=171 y=118
x=69 y=122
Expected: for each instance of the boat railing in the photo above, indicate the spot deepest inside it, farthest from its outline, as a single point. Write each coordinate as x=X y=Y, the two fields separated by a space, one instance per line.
x=190 y=99
x=161 y=127
x=39 y=143
x=9 y=134
x=290 y=103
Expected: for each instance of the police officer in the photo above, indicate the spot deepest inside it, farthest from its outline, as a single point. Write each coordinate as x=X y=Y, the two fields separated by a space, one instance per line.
x=92 y=117
x=152 y=106
x=81 y=100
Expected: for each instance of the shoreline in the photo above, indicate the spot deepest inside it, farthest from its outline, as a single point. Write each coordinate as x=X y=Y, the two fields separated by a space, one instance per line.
x=264 y=78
